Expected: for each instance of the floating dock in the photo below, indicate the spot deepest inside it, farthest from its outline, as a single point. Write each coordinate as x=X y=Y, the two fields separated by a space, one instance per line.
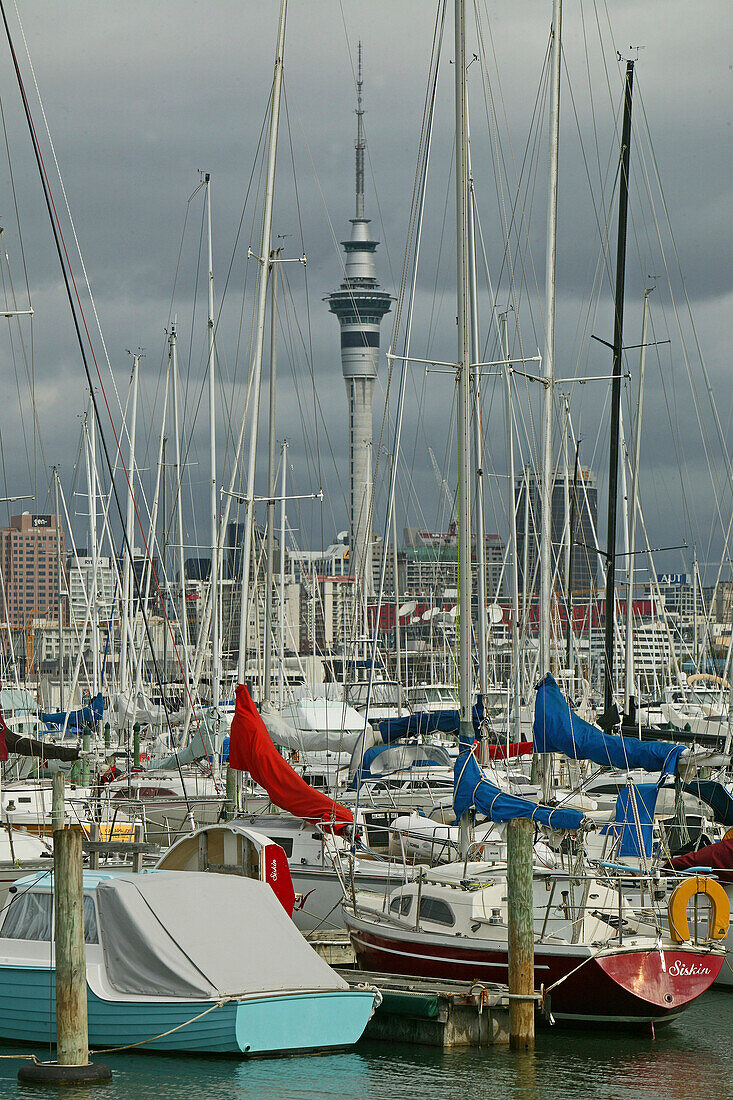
x=435 y=1012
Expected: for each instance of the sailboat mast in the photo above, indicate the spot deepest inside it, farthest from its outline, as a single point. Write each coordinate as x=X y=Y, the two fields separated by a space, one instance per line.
x=129 y=529
x=263 y=260
x=179 y=508
x=630 y=671
x=515 y=669
x=214 y=572
x=548 y=360
x=618 y=337
x=281 y=661
x=91 y=463
x=271 y=471
x=477 y=431
x=463 y=429
x=59 y=589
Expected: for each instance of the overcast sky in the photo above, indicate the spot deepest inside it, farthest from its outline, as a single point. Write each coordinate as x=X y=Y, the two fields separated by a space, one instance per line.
x=140 y=96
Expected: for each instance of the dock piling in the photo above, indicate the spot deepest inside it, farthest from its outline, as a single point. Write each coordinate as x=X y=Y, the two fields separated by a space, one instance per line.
x=521 y=934
x=72 y=1065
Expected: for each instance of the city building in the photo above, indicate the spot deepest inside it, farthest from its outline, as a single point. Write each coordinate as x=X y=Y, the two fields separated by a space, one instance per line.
x=431 y=563
x=327 y=606
x=80 y=578
x=584 y=559
x=29 y=578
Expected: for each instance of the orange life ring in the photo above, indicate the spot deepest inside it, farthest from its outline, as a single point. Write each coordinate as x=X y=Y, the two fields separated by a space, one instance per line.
x=679 y=926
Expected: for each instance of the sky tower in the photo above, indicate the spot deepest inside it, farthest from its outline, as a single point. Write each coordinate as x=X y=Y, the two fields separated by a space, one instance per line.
x=360 y=305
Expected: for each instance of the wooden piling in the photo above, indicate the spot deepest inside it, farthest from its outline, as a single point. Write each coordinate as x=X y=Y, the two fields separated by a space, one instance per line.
x=72 y=1065
x=72 y=1036
x=521 y=934
x=57 y=802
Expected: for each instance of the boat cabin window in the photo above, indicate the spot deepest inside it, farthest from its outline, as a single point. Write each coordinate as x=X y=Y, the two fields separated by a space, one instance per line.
x=401 y=905
x=285 y=842
x=437 y=911
x=30 y=917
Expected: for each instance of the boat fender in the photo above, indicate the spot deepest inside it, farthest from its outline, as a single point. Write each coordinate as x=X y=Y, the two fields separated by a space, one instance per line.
x=679 y=927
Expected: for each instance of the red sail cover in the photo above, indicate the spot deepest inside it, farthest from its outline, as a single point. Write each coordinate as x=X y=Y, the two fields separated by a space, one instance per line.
x=251 y=750
x=516 y=748
x=718 y=856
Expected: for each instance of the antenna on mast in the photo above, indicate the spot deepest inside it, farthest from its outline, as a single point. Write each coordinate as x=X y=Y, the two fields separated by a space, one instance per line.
x=359 y=143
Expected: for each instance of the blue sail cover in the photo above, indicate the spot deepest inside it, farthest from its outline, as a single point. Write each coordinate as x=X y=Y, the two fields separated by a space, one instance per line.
x=558 y=729
x=429 y=721
x=473 y=791
x=634 y=821
x=83 y=717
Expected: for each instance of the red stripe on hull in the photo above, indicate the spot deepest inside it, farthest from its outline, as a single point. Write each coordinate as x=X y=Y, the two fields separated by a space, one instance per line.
x=624 y=987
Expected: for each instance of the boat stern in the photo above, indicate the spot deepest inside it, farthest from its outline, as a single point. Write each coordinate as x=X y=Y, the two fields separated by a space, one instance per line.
x=667 y=979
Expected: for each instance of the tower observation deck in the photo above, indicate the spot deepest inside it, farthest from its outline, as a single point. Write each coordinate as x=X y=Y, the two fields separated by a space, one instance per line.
x=360 y=304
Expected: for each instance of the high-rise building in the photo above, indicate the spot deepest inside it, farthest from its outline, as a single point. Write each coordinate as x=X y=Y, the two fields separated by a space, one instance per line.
x=80 y=570
x=360 y=304
x=584 y=562
x=29 y=567
x=431 y=562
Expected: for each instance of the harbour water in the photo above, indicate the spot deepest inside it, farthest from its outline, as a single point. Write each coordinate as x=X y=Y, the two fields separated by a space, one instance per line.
x=691 y=1059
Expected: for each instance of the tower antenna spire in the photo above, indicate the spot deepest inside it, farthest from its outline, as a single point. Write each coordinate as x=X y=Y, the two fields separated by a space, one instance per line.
x=359 y=143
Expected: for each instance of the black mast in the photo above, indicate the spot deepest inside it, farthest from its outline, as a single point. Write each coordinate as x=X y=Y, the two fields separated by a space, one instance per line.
x=610 y=716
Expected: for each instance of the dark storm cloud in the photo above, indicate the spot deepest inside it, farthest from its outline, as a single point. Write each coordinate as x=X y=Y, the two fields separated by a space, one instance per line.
x=140 y=96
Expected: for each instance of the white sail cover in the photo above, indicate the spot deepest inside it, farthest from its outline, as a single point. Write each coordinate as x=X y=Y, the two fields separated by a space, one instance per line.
x=199 y=935
x=131 y=706
x=323 y=725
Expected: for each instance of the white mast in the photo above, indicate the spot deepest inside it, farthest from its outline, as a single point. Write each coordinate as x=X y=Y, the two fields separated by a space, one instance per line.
x=129 y=528
x=281 y=669
x=630 y=671
x=515 y=671
x=477 y=431
x=256 y=374
x=271 y=472
x=179 y=506
x=91 y=464
x=548 y=359
x=463 y=429
x=214 y=573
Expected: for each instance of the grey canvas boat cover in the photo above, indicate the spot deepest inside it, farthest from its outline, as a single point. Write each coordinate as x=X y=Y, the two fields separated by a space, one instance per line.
x=200 y=935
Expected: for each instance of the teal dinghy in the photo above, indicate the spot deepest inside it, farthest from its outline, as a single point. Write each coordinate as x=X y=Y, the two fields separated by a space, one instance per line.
x=178 y=961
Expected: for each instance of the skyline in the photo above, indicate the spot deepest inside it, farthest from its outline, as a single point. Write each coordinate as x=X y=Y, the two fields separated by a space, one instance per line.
x=135 y=112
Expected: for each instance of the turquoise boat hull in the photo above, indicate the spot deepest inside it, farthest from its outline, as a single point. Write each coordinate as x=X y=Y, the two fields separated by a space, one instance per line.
x=274 y=1024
